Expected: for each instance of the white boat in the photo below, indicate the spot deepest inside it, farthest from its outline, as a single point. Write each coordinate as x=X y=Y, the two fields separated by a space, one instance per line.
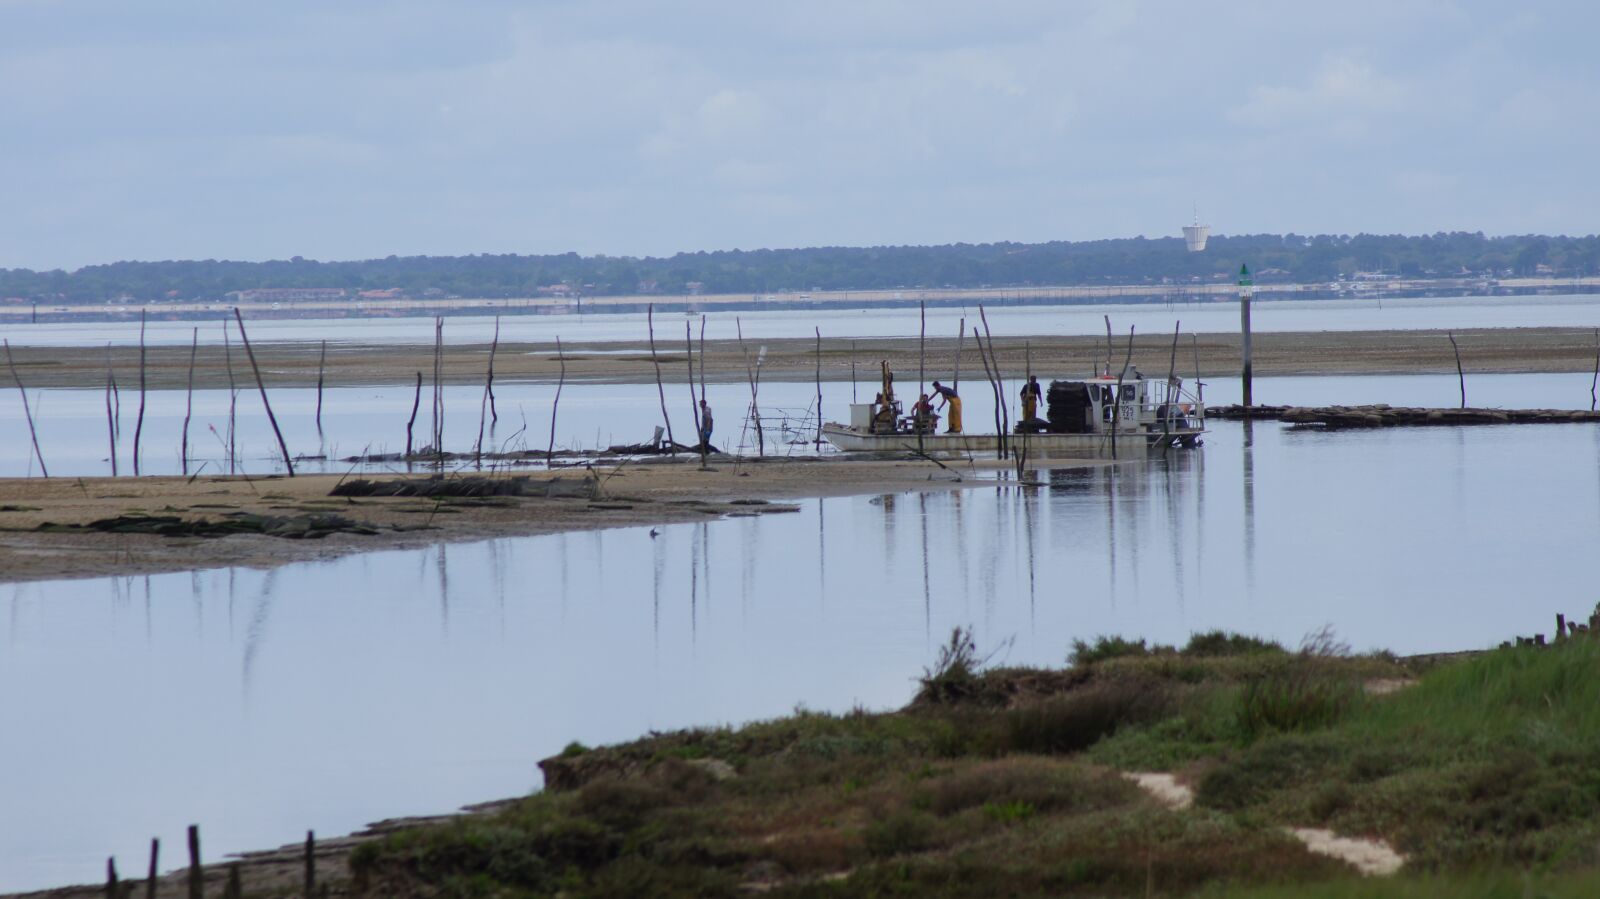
x=1098 y=417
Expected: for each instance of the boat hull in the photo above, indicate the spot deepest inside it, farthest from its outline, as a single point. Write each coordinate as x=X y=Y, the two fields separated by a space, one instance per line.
x=1048 y=446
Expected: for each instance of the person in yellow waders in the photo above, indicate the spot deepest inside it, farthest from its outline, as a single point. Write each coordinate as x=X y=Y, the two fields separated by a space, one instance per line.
x=948 y=397
x=1030 y=399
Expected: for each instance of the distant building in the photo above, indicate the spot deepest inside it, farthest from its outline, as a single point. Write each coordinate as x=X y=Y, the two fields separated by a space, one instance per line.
x=553 y=290
x=285 y=294
x=389 y=293
x=695 y=287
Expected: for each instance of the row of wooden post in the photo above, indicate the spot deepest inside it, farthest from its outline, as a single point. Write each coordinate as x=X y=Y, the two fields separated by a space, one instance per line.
x=195 y=882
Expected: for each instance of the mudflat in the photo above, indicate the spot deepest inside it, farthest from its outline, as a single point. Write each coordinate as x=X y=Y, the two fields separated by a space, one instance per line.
x=91 y=527
x=1289 y=353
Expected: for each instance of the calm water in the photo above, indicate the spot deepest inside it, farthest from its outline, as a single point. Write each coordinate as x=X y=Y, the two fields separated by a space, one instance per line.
x=260 y=704
x=1577 y=310
x=73 y=438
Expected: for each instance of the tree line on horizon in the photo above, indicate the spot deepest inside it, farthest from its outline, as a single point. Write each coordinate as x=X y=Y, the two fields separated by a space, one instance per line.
x=1137 y=260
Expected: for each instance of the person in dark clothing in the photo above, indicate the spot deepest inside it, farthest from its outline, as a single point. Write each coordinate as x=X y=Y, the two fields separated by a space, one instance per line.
x=1030 y=399
x=948 y=397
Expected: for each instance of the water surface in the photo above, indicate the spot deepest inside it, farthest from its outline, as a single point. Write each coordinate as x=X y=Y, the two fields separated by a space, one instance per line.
x=260 y=704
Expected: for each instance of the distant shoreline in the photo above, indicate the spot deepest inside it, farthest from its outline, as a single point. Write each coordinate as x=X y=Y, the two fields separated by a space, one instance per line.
x=1121 y=294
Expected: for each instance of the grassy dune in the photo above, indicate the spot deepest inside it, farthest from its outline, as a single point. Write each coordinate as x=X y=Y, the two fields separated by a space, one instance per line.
x=1484 y=772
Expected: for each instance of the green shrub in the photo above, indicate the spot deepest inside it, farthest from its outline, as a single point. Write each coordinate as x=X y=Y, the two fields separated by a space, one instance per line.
x=1077 y=720
x=1104 y=648
x=1294 y=700
x=899 y=833
x=1210 y=644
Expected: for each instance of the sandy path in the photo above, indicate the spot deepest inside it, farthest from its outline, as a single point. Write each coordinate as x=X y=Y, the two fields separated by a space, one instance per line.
x=1370 y=857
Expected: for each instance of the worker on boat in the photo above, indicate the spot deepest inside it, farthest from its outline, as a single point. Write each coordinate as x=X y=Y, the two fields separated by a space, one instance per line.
x=948 y=397
x=923 y=418
x=705 y=425
x=1030 y=399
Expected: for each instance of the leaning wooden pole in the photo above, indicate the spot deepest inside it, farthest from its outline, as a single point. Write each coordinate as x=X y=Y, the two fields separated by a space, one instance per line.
x=138 y=424
x=416 y=403
x=999 y=384
x=26 y=411
x=322 y=363
x=261 y=385
x=111 y=422
x=1595 y=382
x=650 y=321
x=1171 y=395
x=1460 y=375
x=694 y=404
x=755 y=405
x=561 y=381
x=188 y=405
x=494 y=347
x=983 y=357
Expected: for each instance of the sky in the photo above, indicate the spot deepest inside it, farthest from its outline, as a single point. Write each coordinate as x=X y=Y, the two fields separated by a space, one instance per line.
x=365 y=128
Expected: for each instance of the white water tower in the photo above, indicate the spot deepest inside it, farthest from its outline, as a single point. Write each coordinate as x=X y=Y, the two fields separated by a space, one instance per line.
x=1194 y=236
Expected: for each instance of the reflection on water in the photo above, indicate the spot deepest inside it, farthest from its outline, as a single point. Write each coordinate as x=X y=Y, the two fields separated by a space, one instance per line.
x=326 y=695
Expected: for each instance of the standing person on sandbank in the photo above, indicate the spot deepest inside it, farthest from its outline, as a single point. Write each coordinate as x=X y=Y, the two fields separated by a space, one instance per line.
x=705 y=425
x=948 y=397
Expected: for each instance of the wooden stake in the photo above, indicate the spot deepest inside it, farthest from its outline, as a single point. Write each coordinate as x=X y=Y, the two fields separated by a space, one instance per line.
x=699 y=431
x=311 y=864
x=150 y=881
x=322 y=363
x=261 y=385
x=416 y=403
x=819 y=386
x=922 y=365
x=983 y=356
x=650 y=320
x=26 y=411
x=494 y=346
x=999 y=385
x=1459 y=373
x=961 y=337
x=113 y=891
x=1199 y=385
x=111 y=423
x=750 y=373
x=438 y=388
x=1108 y=346
x=1596 y=381
x=1116 y=399
x=1171 y=399
x=188 y=405
x=233 y=396
x=561 y=356
x=234 y=889
x=138 y=426
x=197 y=886
x=852 y=371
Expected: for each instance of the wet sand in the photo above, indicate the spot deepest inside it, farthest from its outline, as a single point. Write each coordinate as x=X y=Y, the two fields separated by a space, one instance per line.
x=657 y=491
x=1290 y=353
